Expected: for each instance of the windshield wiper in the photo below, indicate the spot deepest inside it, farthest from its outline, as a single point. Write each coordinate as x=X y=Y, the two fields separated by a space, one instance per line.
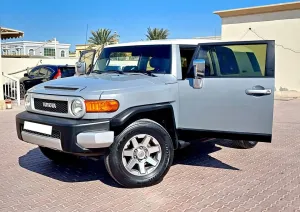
x=149 y=73
x=107 y=72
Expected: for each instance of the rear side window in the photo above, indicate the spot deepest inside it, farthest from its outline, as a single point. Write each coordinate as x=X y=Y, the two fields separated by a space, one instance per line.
x=67 y=71
x=235 y=60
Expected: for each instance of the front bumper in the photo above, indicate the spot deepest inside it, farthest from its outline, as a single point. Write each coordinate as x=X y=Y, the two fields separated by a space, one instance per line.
x=68 y=135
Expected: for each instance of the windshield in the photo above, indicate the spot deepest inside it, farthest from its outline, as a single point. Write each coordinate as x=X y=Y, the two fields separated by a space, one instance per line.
x=152 y=58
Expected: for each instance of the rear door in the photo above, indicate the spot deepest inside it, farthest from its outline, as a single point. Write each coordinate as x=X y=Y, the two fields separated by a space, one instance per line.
x=237 y=94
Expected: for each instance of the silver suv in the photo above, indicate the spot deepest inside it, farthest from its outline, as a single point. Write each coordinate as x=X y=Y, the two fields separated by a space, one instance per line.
x=138 y=102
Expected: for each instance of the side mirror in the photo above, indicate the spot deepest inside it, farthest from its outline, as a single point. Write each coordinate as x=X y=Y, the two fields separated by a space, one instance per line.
x=26 y=75
x=80 y=68
x=199 y=70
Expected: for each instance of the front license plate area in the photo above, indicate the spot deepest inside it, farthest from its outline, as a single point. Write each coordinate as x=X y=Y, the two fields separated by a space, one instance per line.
x=40 y=128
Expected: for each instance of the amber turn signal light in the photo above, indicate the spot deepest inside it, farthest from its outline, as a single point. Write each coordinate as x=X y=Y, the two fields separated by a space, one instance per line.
x=94 y=106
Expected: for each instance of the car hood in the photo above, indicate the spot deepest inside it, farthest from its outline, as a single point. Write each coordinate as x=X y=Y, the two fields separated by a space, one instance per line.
x=95 y=84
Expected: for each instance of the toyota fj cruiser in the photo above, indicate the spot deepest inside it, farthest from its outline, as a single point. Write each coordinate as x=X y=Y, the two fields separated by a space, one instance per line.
x=138 y=102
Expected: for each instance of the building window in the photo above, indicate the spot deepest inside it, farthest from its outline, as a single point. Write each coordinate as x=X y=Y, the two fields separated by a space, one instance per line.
x=62 y=53
x=13 y=52
x=31 y=52
x=49 y=52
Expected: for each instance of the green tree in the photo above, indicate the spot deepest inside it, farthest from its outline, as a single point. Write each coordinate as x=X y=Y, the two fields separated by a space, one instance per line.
x=157 y=34
x=102 y=37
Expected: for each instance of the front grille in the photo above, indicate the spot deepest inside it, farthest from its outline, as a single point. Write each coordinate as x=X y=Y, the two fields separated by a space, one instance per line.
x=55 y=133
x=54 y=106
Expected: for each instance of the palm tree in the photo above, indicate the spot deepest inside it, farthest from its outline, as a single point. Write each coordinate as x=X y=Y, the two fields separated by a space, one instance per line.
x=102 y=37
x=157 y=34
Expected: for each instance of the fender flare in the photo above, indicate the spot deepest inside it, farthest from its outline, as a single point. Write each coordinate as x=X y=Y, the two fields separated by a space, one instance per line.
x=127 y=114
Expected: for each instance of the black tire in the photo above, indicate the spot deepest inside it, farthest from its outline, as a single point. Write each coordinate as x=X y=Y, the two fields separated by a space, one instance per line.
x=113 y=158
x=245 y=144
x=57 y=156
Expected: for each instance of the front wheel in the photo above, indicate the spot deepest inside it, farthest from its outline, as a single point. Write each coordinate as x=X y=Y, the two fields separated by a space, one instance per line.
x=245 y=144
x=141 y=155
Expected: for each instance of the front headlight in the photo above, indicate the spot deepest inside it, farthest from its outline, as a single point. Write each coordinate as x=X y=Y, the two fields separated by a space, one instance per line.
x=77 y=108
x=27 y=101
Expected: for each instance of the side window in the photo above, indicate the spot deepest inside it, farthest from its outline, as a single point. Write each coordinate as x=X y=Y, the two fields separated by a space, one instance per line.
x=67 y=71
x=186 y=55
x=149 y=67
x=44 y=72
x=235 y=60
x=34 y=72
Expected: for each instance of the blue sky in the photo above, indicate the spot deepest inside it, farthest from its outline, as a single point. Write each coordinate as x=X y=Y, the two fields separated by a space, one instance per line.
x=67 y=20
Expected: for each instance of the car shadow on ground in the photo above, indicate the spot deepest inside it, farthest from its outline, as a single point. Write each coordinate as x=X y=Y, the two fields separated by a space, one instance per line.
x=198 y=154
x=84 y=170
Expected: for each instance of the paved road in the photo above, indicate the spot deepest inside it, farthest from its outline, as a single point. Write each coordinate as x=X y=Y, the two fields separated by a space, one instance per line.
x=204 y=177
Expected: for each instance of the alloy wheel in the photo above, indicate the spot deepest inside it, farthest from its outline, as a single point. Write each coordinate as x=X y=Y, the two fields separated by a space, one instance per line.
x=141 y=155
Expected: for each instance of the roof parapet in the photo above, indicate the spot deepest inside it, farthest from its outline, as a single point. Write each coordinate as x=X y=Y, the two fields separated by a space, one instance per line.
x=259 y=9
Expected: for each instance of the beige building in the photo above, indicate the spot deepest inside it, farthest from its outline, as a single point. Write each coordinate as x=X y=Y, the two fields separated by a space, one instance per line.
x=280 y=22
x=81 y=47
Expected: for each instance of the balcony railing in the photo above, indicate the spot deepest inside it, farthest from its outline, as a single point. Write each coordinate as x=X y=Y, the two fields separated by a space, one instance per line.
x=11 y=88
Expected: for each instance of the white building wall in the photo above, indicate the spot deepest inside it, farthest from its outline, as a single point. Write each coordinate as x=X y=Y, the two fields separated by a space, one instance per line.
x=37 y=47
x=284 y=28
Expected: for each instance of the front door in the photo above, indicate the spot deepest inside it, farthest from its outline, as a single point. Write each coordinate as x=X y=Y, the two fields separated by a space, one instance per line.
x=43 y=76
x=33 y=78
x=236 y=96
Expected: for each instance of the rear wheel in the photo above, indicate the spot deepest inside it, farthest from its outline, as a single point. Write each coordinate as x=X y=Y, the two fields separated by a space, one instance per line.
x=245 y=144
x=57 y=156
x=141 y=155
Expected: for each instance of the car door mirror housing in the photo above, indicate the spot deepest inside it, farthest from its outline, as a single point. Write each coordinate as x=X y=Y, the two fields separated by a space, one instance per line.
x=80 y=68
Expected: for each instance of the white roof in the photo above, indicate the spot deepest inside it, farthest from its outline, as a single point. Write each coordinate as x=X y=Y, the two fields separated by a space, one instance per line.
x=167 y=41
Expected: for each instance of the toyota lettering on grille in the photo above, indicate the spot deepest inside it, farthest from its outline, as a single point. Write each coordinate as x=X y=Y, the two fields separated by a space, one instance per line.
x=50 y=105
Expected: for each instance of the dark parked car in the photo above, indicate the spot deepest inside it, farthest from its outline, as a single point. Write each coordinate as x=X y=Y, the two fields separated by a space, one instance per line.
x=43 y=73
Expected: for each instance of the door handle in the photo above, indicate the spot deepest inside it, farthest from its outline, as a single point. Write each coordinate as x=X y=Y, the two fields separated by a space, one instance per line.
x=255 y=92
